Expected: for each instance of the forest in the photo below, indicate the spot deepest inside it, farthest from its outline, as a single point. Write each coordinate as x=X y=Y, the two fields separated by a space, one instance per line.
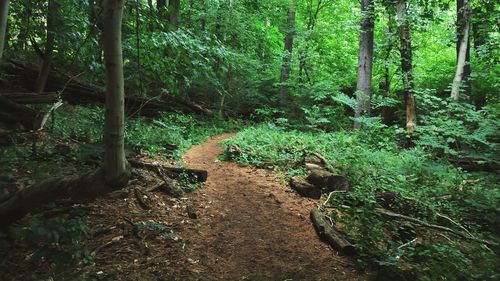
x=250 y=140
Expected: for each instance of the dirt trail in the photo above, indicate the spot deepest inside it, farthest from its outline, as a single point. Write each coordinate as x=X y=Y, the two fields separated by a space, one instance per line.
x=252 y=227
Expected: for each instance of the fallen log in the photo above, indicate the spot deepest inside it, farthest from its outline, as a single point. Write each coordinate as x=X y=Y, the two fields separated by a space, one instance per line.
x=328 y=233
x=32 y=98
x=75 y=91
x=304 y=188
x=327 y=181
x=77 y=188
x=193 y=175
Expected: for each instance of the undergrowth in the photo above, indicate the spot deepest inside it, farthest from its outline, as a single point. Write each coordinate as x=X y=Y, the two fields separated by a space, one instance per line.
x=374 y=164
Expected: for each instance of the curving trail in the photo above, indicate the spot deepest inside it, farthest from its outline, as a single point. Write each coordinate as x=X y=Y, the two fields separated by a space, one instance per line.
x=251 y=226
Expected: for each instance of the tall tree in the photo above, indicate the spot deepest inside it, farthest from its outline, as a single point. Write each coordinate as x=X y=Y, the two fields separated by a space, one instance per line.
x=4 y=12
x=405 y=50
x=461 y=22
x=287 y=58
x=47 y=56
x=462 y=53
x=365 y=61
x=115 y=164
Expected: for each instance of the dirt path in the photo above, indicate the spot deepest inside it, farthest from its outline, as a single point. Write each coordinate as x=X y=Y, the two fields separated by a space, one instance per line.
x=252 y=227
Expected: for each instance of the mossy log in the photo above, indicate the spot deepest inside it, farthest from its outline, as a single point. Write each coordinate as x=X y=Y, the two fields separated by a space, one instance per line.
x=327 y=181
x=328 y=233
x=77 y=188
x=304 y=188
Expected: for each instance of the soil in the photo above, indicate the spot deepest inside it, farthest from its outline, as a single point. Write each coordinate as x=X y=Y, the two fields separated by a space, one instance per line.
x=249 y=225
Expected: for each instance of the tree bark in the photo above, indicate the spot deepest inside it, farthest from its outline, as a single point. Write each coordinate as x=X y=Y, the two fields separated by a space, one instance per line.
x=365 y=62
x=175 y=9
x=41 y=81
x=160 y=4
x=115 y=164
x=461 y=70
x=461 y=20
x=4 y=12
x=406 y=66
x=287 y=59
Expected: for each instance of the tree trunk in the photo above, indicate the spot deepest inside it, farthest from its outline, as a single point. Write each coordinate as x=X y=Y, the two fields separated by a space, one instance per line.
x=365 y=62
x=160 y=4
x=4 y=12
x=462 y=54
x=175 y=9
x=115 y=164
x=41 y=81
x=461 y=21
x=287 y=59
x=406 y=66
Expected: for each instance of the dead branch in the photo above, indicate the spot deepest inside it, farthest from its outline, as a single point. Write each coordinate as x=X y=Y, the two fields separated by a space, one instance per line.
x=416 y=221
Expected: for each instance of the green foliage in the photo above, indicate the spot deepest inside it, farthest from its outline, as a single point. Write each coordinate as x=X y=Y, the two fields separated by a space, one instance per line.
x=457 y=129
x=142 y=134
x=374 y=164
x=57 y=240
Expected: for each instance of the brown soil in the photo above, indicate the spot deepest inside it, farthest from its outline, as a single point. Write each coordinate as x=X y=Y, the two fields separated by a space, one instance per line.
x=250 y=226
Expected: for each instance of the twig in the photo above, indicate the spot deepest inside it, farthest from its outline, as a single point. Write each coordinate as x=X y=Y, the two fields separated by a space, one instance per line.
x=455 y=223
x=408 y=243
x=330 y=195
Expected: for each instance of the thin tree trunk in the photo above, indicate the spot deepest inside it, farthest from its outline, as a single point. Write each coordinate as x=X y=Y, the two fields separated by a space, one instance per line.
x=462 y=55
x=287 y=59
x=365 y=62
x=160 y=4
x=4 y=12
x=41 y=81
x=406 y=66
x=115 y=164
x=461 y=19
x=175 y=9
